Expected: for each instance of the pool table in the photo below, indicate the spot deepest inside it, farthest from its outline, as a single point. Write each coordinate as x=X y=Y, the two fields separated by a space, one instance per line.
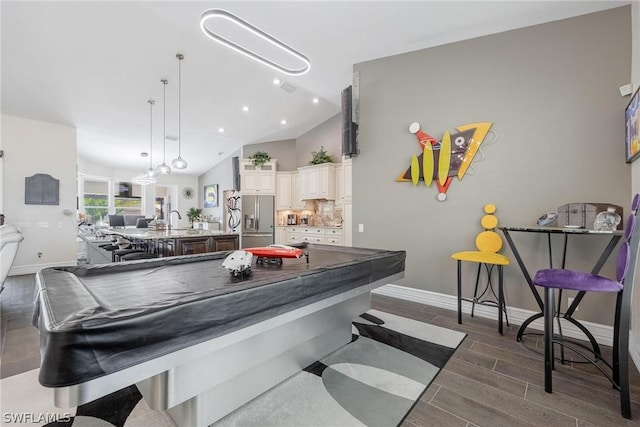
x=197 y=341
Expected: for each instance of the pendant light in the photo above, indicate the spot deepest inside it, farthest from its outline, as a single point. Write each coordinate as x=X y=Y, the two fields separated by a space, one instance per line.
x=151 y=176
x=151 y=173
x=179 y=163
x=164 y=168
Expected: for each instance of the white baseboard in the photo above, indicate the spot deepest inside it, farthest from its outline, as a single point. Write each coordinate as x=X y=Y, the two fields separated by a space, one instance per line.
x=602 y=333
x=18 y=270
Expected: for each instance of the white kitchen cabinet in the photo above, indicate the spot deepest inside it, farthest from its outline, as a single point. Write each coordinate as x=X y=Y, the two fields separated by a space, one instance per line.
x=347 y=224
x=284 y=191
x=313 y=235
x=318 y=182
x=343 y=181
x=281 y=236
x=293 y=235
x=296 y=198
x=258 y=181
x=333 y=236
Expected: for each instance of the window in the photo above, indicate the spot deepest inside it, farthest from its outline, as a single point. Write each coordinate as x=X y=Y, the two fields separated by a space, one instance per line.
x=95 y=200
x=127 y=198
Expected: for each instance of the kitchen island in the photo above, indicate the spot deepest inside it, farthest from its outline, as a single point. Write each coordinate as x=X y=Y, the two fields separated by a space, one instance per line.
x=183 y=241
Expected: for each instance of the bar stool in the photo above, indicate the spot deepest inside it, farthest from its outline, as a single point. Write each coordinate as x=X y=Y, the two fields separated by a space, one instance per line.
x=488 y=243
x=555 y=278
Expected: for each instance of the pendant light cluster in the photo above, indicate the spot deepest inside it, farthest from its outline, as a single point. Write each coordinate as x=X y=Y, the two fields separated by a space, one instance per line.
x=151 y=176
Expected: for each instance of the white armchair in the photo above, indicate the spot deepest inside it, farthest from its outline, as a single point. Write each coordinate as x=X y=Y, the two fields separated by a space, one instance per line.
x=10 y=238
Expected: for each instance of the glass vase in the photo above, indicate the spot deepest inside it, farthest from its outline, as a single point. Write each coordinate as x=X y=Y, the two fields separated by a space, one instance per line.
x=607 y=220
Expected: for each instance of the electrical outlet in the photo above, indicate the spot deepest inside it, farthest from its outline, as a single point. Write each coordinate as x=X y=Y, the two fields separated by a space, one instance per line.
x=570 y=301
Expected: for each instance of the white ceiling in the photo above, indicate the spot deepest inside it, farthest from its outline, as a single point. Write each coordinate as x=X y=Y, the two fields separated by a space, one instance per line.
x=93 y=65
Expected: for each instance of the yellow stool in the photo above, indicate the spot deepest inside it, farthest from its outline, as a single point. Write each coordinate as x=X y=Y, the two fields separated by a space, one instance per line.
x=488 y=244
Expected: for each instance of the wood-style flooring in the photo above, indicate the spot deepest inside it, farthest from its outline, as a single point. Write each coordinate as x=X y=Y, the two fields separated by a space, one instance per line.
x=491 y=380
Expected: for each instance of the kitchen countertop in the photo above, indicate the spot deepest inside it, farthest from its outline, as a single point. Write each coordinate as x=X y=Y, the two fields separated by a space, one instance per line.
x=310 y=226
x=176 y=233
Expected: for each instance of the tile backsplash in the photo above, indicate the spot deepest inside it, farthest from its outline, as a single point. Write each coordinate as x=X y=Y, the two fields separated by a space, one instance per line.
x=325 y=213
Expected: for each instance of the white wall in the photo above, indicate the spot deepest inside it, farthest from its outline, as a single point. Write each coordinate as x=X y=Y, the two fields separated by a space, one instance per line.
x=32 y=147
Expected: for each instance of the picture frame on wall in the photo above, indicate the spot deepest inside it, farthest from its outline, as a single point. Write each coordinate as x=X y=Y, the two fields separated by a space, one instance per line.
x=632 y=128
x=211 y=196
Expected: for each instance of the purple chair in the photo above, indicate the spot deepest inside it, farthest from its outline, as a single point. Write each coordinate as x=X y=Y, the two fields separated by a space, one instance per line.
x=553 y=278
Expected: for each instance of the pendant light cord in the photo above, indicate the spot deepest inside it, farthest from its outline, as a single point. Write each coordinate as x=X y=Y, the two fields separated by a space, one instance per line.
x=164 y=121
x=151 y=102
x=180 y=57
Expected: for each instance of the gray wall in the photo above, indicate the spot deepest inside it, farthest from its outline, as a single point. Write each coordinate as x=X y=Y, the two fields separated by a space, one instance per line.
x=221 y=174
x=551 y=92
x=327 y=135
x=283 y=151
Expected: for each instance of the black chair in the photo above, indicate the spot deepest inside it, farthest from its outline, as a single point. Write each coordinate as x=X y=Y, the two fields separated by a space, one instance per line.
x=132 y=220
x=554 y=278
x=143 y=222
x=116 y=221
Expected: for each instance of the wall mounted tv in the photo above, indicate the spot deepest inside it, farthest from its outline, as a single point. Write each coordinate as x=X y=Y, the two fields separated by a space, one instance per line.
x=349 y=127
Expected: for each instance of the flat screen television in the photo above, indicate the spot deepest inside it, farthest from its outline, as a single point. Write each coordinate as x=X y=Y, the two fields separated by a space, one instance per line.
x=632 y=130
x=349 y=128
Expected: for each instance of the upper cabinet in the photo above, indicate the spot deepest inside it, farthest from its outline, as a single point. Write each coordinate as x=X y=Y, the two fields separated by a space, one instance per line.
x=343 y=181
x=257 y=181
x=288 y=192
x=318 y=181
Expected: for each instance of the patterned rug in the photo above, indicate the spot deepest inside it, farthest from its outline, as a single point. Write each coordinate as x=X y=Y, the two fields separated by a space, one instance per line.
x=374 y=381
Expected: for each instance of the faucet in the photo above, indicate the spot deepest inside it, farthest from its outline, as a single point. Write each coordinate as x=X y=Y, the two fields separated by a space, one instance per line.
x=179 y=218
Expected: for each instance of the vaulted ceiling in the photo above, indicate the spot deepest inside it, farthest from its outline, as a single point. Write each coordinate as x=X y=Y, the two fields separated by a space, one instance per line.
x=94 y=65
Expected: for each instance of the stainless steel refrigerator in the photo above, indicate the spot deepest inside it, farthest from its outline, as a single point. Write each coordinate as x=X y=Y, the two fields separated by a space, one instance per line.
x=257 y=221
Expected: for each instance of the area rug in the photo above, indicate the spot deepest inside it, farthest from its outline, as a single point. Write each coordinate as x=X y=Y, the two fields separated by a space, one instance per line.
x=373 y=381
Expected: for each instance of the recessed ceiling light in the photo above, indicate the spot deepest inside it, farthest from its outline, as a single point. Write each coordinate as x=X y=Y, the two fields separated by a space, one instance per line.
x=283 y=122
x=276 y=81
x=245 y=108
x=220 y=130
x=315 y=100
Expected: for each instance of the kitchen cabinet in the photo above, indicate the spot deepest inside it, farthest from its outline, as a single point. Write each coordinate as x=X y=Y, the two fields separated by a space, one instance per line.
x=281 y=236
x=333 y=236
x=284 y=191
x=318 y=182
x=198 y=244
x=293 y=235
x=328 y=236
x=347 y=224
x=258 y=181
x=288 y=192
x=345 y=181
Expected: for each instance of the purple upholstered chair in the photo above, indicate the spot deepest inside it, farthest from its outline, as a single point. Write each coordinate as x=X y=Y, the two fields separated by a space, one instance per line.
x=553 y=278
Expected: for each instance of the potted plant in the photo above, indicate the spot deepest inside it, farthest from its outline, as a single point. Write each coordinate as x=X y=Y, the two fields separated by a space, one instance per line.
x=193 y=214
x=319 y=157
x=259 y=158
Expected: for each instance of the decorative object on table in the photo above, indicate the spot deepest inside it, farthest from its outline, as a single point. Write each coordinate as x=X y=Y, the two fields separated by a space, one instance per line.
x=319 y=157
x=259 y=158
x=607 y=220
x=441 y=160
x=187 y=193
x=547 y=219
x=406 y=352
x=585 y=281
x=41 y=189
x=211 y=196
x=632 y=128
x=488 y=243
x=193 y=214
x=583 y=215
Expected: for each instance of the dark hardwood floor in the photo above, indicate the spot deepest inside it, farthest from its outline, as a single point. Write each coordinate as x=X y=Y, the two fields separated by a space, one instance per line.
x=491 y=380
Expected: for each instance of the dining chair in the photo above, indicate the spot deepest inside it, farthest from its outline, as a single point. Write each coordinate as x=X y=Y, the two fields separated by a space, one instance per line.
x=488 y=243
x=565 y=279
x=10 y=238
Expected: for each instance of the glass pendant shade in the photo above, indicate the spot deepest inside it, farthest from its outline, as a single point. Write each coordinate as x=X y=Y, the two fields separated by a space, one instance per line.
x=164 y=168
x=179 y=163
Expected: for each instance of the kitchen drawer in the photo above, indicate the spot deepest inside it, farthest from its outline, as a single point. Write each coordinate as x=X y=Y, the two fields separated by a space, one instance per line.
x=334 y=240
x=312 y=230
x=313 y=238
x=294 y=238
x=334 y=232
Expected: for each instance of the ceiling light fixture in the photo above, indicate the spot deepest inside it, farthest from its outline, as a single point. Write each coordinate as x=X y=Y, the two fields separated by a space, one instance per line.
x=179 y=163
x=276 y=81
x=164 y=168
x=283 y=122
x=219 y=13
x=315 y=100
x=151 y=176
x=221 y=130
x=245 y=108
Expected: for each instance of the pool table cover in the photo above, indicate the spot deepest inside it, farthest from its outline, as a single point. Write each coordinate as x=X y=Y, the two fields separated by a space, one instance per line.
x=98 y=319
